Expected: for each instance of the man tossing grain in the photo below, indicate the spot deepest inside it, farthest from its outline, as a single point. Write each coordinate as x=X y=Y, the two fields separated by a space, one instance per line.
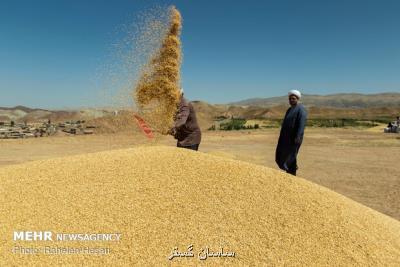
x=291 y=135
x=186 y=130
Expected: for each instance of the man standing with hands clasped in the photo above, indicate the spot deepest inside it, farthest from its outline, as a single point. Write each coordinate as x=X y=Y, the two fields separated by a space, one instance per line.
x=291 y=135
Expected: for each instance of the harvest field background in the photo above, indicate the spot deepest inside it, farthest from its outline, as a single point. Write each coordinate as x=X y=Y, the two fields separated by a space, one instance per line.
x=361 y=164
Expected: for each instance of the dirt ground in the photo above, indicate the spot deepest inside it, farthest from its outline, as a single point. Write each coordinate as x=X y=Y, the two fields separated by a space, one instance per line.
x=360 y=164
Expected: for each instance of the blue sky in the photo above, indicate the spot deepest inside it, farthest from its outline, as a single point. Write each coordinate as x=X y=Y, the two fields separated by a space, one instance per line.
x=50 y=51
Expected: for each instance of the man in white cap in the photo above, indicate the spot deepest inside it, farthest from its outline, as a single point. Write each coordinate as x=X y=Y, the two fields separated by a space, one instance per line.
x=186 y=129
x=291 y=135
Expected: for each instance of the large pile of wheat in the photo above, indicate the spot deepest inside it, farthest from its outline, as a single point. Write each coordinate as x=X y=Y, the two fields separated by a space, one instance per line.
x=159 y=198
x=157 y=91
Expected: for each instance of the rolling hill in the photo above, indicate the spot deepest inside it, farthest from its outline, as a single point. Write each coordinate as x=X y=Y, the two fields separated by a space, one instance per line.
x=332 y=101
x=22 y=114
x=384 y=106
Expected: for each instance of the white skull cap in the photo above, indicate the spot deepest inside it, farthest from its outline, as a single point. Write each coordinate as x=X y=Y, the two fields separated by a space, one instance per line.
x=295 y=92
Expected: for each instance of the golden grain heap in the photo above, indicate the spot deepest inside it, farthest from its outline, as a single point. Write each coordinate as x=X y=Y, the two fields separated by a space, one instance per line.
x=159 y=198
x=157 y=90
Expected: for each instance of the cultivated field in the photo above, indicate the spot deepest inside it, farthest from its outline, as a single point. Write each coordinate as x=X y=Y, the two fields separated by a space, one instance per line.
x=360 y=164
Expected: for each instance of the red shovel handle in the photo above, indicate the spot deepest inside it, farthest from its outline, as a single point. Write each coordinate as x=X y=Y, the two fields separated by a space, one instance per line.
x=143 y=125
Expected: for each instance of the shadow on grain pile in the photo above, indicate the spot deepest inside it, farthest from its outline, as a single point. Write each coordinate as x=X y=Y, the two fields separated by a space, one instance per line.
x=161 y=197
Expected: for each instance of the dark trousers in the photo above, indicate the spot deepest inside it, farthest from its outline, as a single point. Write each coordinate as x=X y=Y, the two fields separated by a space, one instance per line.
x=293 y=168
x=192 y=147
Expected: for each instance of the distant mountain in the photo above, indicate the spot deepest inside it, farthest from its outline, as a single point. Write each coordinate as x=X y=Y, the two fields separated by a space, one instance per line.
x=26 y=114
x=23 y=108
x=355 y=106
x=331 y=101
